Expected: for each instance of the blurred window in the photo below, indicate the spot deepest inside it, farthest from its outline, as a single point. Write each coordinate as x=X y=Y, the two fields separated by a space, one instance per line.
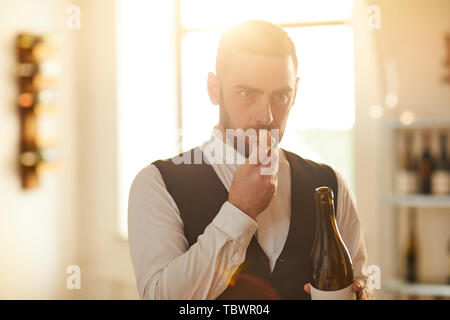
x=320 y=123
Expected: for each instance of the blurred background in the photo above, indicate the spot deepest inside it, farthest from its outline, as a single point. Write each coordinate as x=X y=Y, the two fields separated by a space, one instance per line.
x=92 y=91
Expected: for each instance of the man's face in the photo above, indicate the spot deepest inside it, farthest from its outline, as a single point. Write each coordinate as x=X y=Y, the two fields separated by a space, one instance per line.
x=257 y=92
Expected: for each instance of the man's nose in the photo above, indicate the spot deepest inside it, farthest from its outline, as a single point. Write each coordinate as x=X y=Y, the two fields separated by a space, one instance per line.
x=264 y=113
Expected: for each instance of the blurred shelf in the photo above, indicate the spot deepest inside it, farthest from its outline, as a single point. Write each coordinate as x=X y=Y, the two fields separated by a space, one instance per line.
x=418 y=289
x=418 y=123
x=419 y=200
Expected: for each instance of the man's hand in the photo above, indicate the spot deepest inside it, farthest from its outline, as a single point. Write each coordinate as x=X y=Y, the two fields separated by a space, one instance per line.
x=357 y=286
x=250 y=190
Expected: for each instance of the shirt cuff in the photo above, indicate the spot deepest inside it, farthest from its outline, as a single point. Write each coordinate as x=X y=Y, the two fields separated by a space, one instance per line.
x=234 y=222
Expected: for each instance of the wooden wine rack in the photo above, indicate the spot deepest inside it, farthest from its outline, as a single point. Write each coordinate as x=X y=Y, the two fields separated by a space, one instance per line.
x=32 y=51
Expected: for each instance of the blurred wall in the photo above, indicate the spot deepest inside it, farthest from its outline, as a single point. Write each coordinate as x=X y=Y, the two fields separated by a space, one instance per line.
x=37 y=227
x=104 y=255
x=72 y=218
x=367 y=92
x=412 y=34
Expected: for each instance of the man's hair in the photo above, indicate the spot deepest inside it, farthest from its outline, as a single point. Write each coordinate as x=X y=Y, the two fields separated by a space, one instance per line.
x=254 y=36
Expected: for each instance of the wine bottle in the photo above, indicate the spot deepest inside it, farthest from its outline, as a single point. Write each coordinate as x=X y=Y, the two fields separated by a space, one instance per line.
x=440 y=180
x=332 y=274
x=411 y=251
x=26 y=100
x=26 y=70
x=30 y=158
x=406 y=179
x=426 y=164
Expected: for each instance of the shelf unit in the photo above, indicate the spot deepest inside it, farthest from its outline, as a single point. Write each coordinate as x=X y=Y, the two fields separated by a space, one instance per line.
x=418 y=289
x=418 y=201
x=391 y=203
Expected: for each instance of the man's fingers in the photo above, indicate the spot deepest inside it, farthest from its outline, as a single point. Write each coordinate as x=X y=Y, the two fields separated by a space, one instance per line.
x=260 y=152
x=358 y=285
x=307 y=288
x=253 y=154
x=266 y=151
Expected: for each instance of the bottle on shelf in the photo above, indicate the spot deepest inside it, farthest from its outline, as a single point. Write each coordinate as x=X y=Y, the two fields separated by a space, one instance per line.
x=440 y=179
x=25 y=45
x=332 y=273
x=411 y=250
x=406 y=179
x=26 y=70
x=426 y=163
x=30 y=158
x=33 y=158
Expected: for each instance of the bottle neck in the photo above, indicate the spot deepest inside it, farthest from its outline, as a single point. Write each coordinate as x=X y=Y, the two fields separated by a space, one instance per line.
x=326 y=222
x=327 y=232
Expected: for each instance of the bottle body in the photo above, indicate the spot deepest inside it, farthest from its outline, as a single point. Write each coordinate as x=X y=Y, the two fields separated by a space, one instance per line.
x=440 y=179
x=426 y=164
x=406 y=179
x=411 y=251
x=332 y=264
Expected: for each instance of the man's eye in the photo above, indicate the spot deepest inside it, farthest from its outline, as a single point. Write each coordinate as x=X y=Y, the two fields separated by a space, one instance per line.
x=282 y=97
x=246 y=93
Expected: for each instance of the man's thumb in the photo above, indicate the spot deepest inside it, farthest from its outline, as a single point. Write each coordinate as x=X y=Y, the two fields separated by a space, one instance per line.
x=307 y=288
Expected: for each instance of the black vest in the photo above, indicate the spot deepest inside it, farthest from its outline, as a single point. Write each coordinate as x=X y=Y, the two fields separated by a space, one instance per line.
x=199 y=195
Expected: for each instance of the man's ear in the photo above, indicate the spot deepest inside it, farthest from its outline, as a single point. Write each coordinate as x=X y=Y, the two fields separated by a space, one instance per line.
x=213 y=88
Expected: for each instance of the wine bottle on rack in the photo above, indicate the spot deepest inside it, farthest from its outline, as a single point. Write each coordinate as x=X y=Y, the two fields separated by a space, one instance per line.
x=332 y=275
x=406 y=179
x=411 y=251
x=440 y=180
x=26 y=70
x=426 y=164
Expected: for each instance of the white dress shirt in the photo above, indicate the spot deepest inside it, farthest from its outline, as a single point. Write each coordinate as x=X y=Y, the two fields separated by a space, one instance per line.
x=167 y=268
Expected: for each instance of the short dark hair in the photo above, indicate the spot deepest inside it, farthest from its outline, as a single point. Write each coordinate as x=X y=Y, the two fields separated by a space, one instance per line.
x=254 y=36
